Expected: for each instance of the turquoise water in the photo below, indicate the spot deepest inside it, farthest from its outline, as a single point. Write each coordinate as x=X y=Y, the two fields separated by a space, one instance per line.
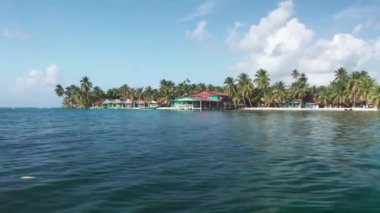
x=156 y=161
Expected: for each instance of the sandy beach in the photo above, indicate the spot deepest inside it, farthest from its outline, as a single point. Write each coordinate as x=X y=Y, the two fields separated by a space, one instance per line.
x=309 y=109
x=294 y=109
x=166 y=108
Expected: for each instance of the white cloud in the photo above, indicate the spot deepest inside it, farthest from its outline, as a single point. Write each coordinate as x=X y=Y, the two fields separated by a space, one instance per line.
x=234 y=35
x=199 y=33
x=357 y=29
x=281 y=43
x=342 y=50
x=252 y=40
x=362 y=19
x=14 y=33
x=240 y=67
x=36 y=81
x=358 y=13
x=204 y=9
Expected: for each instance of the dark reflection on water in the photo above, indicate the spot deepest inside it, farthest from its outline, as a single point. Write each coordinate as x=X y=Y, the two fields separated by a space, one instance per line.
x=153 y=161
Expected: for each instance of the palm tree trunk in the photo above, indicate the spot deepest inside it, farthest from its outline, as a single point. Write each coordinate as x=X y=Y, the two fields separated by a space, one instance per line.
x=250 y=104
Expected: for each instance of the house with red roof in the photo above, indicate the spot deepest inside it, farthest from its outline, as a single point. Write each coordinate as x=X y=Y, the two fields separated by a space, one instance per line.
x=205 y=100
x=124 y=104
x=97 y=104
x=140 y=104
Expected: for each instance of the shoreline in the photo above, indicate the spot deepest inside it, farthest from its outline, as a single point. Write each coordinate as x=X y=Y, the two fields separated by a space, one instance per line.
x=309 y=109
x=166 y=108
x=290 y=109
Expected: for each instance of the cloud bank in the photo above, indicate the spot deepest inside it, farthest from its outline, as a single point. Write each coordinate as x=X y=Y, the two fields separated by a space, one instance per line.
x=281 y=43
x=35 y=88
x=37 y=80
x=199 y=33
x=14 y=33
x=204 y=9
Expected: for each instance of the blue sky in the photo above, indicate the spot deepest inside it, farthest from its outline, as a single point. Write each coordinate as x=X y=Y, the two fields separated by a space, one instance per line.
x=139 y=42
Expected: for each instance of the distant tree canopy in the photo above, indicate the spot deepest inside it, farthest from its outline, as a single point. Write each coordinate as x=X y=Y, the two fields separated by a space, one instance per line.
x=347 y=89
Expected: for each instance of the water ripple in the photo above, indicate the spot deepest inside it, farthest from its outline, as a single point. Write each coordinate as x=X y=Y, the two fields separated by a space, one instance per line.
x=152 y=161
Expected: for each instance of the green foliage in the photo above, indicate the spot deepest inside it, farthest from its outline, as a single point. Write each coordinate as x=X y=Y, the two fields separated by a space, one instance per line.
x=353 y=89
x=375 y=96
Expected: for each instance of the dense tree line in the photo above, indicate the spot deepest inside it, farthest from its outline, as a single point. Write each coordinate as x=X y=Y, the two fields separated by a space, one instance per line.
x=352 y=89
x=85 y=94
x=345 y=90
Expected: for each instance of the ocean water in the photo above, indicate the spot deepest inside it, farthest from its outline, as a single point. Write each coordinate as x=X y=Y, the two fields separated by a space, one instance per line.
x=55 y=160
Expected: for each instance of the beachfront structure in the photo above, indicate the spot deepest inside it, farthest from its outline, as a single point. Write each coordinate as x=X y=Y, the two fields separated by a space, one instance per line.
x=140 y=104
x=296 y=103
x=107 y=104
x=117 y=104
x=128 y=103
x=113 y=104
x=152 y=104
x=97 y=104
x=311 y=105
x=206 y=100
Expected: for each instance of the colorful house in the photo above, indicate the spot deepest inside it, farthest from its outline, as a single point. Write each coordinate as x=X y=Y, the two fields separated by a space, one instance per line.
x=140 y=104
x=296 y=103
x=206 y=100
x=107 y=104
x=124 y=104
x=116 y=104
x=312 y=105
x=97 y=104
x=128 y=103
x=186 y=103
x=152 y=104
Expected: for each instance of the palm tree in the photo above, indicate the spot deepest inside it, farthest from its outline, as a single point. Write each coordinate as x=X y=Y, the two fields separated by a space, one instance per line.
x=375 y=96
x=86 y=86
x=295 y=74
x=299 y=91
x=323 y=96
x=140 y=94
x=149 y=93
x=74 y=97
x=262 y=79
x=268 y=99
x=365 y=86
x=279 y=92
x=341 y=75
x=124 y=92
x=167 y=89
x=231 y=89
x=97 y=94
x=113 y=93
x=245 y=87
x=200 y=87
x=339 y=94
x=136 y=94
x=59 y=90
x=353 y=86
x=183 y=88
x=299 y=88
x=303 y=79
x=312 y=93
